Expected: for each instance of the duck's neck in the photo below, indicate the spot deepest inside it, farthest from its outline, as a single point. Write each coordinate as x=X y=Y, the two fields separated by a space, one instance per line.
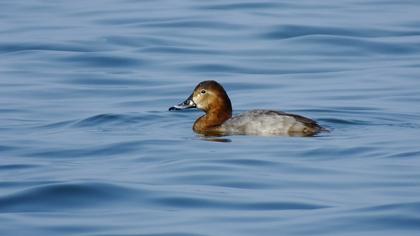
x=212 y=119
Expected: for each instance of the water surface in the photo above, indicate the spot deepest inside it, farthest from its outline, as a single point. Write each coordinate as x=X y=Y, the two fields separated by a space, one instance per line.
x=87 y=146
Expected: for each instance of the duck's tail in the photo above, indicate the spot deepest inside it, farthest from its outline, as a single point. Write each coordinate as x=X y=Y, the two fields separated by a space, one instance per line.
x=324 y=129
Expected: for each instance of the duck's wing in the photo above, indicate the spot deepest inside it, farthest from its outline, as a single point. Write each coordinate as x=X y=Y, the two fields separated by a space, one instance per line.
x=305 y=120
x=309 y=123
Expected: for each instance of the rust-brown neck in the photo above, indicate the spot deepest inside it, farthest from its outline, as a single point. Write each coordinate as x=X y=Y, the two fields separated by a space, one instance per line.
x=212 y=119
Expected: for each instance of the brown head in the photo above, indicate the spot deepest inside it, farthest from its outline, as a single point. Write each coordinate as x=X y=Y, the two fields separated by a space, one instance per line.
x=212 y=98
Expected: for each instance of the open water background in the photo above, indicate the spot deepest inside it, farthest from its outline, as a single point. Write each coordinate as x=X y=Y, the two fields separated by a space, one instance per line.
x=87 y=146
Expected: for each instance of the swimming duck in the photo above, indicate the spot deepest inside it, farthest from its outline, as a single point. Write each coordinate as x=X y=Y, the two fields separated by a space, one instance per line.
x=212 y=98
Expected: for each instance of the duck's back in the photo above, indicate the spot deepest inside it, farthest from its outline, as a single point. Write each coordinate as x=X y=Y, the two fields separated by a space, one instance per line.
x=267 y=122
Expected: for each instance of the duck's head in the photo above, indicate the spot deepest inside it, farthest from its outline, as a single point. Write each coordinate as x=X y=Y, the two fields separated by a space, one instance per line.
x=208 y=96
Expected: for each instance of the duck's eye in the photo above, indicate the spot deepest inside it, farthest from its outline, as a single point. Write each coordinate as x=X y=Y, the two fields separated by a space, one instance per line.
x=203 y=91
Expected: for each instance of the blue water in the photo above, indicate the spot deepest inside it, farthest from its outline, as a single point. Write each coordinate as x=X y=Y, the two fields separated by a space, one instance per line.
x=87 y=146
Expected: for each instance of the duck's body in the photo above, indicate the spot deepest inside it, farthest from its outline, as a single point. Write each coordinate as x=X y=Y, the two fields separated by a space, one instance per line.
x=267 y=122
x=210 y=97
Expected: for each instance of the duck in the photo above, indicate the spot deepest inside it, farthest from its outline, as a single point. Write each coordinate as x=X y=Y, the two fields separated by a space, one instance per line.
x=210 y=97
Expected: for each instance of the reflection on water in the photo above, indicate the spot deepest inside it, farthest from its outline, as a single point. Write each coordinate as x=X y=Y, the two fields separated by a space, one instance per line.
x=85 y=131
x=216 y=139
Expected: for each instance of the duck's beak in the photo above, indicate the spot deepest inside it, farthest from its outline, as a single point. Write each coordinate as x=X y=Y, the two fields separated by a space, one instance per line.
x=189 y=103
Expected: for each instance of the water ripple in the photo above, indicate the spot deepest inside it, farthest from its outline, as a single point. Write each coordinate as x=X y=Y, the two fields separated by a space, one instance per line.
x=112 y=149
x=89 y=60
x=17 y=47
x=117 y=119
x=191 y=24
x=245 y=6
x=367 y=46
x=189 y=202
x=16 y=167
x=223 y=68
x=180 y=50
x=293 y=31
x=61 y=196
